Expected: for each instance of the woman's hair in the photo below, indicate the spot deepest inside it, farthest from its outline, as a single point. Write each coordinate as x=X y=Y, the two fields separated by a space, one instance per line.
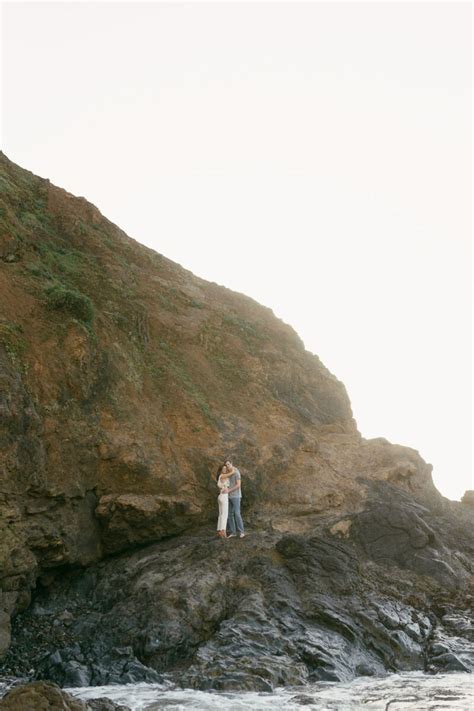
x=219 y=471
x=221 y=466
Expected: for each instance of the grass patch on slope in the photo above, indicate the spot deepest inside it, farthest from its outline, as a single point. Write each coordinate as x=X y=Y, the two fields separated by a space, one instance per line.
x=62 y=298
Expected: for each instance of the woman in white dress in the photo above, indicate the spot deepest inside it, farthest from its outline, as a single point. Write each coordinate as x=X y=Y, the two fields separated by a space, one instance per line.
x=223 y=500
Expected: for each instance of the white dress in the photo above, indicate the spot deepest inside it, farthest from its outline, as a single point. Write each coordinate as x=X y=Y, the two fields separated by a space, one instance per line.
x=223 y=501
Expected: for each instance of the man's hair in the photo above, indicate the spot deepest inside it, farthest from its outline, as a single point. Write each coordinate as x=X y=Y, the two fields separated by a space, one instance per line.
x=220 y=468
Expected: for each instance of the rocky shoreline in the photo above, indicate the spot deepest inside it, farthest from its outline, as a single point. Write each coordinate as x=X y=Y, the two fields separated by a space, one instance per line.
x=272 y=609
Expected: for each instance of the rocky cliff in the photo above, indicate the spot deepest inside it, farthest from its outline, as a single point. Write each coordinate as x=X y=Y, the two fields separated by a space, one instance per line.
x=124 y=381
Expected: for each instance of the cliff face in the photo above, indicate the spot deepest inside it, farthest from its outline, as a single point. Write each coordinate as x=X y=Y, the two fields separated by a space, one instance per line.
x=125 y=380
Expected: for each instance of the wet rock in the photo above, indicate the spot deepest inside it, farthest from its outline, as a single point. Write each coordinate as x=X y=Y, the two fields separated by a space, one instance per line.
x=105 y=705
x=364 y=670
x=75 y=674
x=232 y=681
x=449 y=662
x=303 y=700
x=450 y=647
x=40 y=696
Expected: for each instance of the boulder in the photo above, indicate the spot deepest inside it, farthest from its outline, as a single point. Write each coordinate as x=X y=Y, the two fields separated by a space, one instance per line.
x=40 y=696
x=468 y=498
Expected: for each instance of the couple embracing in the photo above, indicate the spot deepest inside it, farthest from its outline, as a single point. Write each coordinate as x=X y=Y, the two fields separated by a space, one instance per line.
x=228 y=481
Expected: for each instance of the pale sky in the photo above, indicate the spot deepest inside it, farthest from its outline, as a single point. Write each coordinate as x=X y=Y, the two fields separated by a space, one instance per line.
x=314 y=156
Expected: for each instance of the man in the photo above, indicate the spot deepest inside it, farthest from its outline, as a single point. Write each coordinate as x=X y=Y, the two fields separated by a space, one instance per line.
x=235 y=523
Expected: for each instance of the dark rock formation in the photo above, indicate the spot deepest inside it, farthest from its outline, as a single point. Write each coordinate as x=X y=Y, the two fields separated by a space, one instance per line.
x=124 y=380
x=269 y=610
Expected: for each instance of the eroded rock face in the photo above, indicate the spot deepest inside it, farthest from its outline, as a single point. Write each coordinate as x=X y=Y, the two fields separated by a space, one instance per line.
x=427 y=540
x=131 y=519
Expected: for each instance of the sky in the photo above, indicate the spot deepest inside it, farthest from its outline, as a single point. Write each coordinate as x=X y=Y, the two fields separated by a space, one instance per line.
x=315 y=156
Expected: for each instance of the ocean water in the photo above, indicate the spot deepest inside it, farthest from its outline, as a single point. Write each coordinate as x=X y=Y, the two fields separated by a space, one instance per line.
x=411 y=690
